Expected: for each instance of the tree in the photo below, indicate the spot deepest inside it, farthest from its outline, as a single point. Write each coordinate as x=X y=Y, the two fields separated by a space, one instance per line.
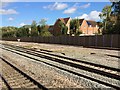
x=63 y=28
x=22 y=32
x=34 y=31
x=9 y=31
x=44 y=32
x=116 y=15
x=43 y=28
x=105 y=16
x=100 y=29
x=116 y=7
x=42 y=22
x=74 y=27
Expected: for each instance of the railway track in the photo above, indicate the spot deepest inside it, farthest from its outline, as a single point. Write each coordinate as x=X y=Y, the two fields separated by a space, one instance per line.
x=12 y=77
x=112 y=74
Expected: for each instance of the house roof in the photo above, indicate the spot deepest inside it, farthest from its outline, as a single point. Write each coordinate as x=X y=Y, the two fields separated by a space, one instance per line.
x=93 y=23
x=64 y=20
x=51 y=27
x=81 y=20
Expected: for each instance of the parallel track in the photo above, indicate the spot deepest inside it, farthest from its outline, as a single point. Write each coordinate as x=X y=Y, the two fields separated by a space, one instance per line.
x=13 y=77
x=75 y=65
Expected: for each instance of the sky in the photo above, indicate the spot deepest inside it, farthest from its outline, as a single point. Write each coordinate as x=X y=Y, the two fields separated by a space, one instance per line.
x=23 y=13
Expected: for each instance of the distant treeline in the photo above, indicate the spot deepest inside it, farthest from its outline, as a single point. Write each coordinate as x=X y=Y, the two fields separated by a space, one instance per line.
x=110 y=24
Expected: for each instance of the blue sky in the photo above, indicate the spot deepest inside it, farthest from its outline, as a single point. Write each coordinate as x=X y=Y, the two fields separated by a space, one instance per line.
x=21 y=13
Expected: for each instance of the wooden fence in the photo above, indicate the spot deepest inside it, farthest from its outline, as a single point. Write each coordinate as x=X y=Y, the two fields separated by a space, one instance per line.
x=111 y=41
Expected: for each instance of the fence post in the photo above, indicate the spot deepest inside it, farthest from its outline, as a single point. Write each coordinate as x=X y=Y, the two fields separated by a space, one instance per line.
x=103 y=40
x=95 y=40
x=84 y=41
x=88 y=41
x=111 y=40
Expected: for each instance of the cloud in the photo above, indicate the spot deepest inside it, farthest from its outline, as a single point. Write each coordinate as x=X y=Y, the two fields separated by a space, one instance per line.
x=56 y=6
x=70 y=10
x=3 y=4
x=9 y=11
x=22 y=24
x=10 y=19
x=9 y=0
x=93 y=15
x=85 y=6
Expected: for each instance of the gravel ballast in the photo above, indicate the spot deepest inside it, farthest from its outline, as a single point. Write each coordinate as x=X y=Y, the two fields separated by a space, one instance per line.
x=45 y=75
x=34 y=69
x=97 y=56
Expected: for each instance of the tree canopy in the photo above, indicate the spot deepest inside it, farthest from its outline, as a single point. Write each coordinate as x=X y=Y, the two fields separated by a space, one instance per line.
x=111 y=18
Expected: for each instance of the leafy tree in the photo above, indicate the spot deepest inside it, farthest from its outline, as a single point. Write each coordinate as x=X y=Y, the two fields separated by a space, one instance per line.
x=116 y=13
x=100 y=29
x=34 y=31
x=39 y=29
x=43 y=28
x=44 y=32
x=22 y=32
x=9 y=31
x=105 y=16
x=111 y=18
x=116 y=7
x=74 y=27
x=42 y=22
x=63 y=28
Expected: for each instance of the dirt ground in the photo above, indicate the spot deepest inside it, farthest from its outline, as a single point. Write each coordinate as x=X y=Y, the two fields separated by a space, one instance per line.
x=86 y=54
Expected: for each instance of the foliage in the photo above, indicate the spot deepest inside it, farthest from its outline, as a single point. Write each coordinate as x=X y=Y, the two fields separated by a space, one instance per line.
x=42 y=22
x=116 y=7
x=111 y=18
x=105 y=16
x=34 y=31
x=78 y=33
x=43 y=28
x=116 y=13
x=44 y=32
x=22 y=32
x=8 y=31
x=63 y=28
x=74 y=27
x=100 y=29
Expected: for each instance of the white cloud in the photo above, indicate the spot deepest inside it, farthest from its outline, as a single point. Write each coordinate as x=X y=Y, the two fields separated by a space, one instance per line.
x=85 y=6
x=93 y=15
x=9 y=11
x=56 y=6
x=10 y=19
x=70 y=10
x=22 y=24
x=3 y=4
x=9 y=0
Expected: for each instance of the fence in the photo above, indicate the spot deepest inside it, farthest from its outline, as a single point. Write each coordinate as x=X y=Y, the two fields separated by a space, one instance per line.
x=110 y=41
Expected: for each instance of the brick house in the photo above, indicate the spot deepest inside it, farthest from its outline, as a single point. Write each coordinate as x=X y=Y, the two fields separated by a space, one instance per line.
x=87 y=27
x=57 y=30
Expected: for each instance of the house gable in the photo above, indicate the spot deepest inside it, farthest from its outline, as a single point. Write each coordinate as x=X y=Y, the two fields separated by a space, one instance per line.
x=57 y=29
x=88 y=27
x=84 y=27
